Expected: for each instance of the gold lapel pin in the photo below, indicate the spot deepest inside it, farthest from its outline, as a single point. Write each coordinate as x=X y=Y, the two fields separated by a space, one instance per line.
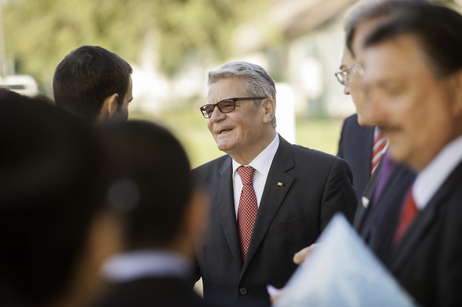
x=280 y=184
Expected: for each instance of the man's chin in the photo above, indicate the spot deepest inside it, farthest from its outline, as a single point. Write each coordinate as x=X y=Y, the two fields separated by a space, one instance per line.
x=223 y=146
x=396 y=153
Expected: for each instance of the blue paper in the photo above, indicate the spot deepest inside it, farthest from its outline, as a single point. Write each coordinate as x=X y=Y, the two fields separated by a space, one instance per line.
x=342 y=271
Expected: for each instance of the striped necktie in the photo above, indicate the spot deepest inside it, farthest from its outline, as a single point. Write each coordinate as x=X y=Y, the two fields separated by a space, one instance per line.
x=377 y=151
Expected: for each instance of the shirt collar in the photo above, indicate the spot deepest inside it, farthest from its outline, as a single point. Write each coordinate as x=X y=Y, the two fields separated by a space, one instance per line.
x=260 y=163
x=146 y=263
x=432 y=177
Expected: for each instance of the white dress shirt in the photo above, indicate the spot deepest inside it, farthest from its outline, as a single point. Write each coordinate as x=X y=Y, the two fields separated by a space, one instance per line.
x=261 y=164
x=432 y=177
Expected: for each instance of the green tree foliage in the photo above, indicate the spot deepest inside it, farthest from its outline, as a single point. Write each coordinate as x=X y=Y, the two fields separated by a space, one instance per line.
x=39 y=33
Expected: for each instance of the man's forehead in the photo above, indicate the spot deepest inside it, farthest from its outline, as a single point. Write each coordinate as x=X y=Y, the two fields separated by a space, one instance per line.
x=362 y=32
x=226 y=88
x=394 y=58
x=347 y=59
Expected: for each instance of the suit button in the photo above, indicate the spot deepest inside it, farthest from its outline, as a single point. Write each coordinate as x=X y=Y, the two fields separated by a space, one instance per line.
x=243 y=291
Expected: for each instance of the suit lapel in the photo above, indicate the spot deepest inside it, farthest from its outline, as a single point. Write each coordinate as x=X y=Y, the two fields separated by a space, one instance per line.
x=366 y=199
x=277 y=185
x=413 y=236
x=389 y=205
x=225 y=208
x=424 y=221
x=368 y=142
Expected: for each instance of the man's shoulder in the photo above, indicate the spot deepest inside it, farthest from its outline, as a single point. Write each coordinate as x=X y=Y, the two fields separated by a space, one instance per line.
x=351 y=120
x=213 y=164
x=211 y=170
x=314 y=155
x=351 y=123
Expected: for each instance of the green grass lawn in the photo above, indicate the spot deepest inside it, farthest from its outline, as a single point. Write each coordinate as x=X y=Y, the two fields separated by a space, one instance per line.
x=191 y=129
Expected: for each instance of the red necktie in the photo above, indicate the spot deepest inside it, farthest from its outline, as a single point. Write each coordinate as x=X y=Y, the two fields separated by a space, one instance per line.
x=248 y=207
x=408 y=213
x=377 y=151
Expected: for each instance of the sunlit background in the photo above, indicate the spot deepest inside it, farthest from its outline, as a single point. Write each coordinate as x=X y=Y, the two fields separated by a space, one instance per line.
x=172 y=44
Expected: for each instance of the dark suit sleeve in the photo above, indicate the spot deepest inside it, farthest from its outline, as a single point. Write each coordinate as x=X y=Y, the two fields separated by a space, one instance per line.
x=339 y=194
x=340 y=152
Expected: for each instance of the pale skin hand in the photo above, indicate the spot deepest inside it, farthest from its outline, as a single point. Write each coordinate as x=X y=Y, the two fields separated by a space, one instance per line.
x=304 y=253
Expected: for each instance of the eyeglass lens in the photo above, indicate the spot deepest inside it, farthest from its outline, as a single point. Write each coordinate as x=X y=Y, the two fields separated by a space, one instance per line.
x=342 y=77
x=225 y=106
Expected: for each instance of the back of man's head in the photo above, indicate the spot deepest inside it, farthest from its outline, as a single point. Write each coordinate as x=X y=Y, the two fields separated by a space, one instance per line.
x=51 y=190
x=86 y=77
x=152 y=181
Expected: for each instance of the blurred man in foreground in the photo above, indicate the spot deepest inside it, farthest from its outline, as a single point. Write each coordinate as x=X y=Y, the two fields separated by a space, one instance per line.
x=95 y=84
x=413 y=80
x=55 y=226
x=164 y=218
x=389 y=182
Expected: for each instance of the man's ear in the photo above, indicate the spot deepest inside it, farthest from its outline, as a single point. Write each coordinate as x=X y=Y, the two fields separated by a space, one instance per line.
x=269 y=109
x=109 y=107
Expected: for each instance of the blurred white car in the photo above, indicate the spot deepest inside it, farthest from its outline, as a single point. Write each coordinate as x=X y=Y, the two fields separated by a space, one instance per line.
x=22 y=84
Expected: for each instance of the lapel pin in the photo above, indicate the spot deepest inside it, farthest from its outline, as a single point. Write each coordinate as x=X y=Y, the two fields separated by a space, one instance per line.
x=365 y=202
x=280 y=184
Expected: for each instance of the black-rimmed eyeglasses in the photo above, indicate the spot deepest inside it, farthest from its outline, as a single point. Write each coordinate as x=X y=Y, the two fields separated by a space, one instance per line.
x=225 y=105
x=343 y=75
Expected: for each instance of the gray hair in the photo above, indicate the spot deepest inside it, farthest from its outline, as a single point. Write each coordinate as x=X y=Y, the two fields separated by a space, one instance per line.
x=368 y=10
x=257 y=81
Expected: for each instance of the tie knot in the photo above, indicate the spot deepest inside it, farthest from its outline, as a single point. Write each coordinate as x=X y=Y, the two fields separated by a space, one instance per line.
x=246 y=173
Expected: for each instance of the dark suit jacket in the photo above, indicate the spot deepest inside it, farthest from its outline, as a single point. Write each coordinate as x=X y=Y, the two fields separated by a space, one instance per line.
x=428 y=260
x=152 y=292
x=376 y=222
x=314 y=186
x=355 y=146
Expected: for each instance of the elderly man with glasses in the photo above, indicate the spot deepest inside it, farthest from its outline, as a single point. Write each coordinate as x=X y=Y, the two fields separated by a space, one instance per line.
x=269 y=198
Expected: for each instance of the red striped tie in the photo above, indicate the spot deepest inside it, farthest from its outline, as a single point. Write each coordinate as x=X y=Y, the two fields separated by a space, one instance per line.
x=248 y=208
x=408 y=213
x=377 y=151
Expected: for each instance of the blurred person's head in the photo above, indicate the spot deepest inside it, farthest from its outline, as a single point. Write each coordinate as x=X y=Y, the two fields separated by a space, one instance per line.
x=413 y=81
x=152 y=185
x=55 y=228
x=364 y=18
x=241 y=127
x=94 y=83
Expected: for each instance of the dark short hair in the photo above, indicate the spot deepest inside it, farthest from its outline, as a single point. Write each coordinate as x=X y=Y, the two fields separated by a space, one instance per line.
x=51 y=187
x=370 y=10
x=152 y=181
x=86 y=77
x=438 y=31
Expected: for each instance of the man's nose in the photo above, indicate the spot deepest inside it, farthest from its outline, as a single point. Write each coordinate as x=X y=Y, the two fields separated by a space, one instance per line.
x=346 y=89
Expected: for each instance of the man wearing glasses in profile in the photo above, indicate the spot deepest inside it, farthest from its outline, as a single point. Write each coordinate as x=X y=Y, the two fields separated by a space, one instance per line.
x=269 y=198
x=359 y=138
